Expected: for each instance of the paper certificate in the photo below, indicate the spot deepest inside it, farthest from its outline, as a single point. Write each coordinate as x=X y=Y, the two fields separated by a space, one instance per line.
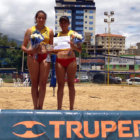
x=61 y=43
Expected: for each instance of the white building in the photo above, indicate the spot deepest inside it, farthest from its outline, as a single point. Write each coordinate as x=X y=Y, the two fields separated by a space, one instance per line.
x=113 y=43
x=81 y=14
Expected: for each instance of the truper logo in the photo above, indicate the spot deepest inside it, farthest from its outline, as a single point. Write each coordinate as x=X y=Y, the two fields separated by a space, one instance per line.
x=101 y=128
x=29 y=133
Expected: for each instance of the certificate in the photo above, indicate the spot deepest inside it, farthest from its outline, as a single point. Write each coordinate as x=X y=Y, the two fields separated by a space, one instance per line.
x=61 y=43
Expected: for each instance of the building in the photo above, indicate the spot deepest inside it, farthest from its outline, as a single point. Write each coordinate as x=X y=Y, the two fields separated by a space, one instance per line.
x=81 y=14
x=138 y=49
x=115 y=44
x=131 y=51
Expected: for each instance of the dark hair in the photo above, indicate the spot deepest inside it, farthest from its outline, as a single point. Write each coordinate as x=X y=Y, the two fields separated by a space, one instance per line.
x=40 y=11
x=64 y=18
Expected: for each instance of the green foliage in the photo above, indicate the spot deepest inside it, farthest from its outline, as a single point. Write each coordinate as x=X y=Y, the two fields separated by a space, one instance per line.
x=12 y=43
x=8 y=78
x=10 y=57
x=84 y=54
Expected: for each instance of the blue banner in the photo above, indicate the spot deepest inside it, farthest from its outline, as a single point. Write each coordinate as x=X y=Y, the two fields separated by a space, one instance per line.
x=69 y=125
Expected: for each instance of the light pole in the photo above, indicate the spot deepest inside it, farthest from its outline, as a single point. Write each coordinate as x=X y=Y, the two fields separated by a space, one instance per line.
x=22 y=67
x=109 y=20
x=79 y=66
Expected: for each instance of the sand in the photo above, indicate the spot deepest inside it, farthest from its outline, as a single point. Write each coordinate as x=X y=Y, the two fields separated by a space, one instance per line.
x=88 y=97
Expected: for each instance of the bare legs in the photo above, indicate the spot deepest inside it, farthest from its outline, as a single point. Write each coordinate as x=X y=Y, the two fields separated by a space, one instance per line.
x=39 y=75
x=61 y=73
x=71 y=71
x=33 y=67
x=44 y=72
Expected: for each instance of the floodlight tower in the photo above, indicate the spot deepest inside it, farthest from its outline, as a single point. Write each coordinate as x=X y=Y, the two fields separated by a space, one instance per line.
x=108 y=20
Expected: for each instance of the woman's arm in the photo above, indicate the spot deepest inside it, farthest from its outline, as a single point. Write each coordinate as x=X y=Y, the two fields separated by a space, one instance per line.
x=51 y=37
x=77 y=47
x=26 y=41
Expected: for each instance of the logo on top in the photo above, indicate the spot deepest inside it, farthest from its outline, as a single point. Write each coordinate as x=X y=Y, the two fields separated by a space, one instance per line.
x=29 y=133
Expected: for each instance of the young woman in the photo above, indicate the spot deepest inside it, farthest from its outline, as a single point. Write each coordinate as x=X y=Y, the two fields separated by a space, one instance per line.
x=36 y=60
x=66 y=65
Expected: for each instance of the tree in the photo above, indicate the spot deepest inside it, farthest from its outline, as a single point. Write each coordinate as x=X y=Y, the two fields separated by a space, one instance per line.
x=12 y=43
x=12 y=56
x=5 y=40
x=84 y=54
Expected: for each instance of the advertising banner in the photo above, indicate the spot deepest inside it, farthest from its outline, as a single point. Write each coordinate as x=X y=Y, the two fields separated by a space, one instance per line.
x=99 y=61
x=120 y=61
x=69 y=125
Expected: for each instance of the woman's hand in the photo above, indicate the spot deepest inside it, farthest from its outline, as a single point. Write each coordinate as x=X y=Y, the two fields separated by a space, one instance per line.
x=76 y=47
x=72 y=45
x=46 y=48
x=34 y=50
x=42 y=49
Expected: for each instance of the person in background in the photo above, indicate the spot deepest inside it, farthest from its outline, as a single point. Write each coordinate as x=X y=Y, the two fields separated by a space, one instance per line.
x=37 y=60
x=66 y=65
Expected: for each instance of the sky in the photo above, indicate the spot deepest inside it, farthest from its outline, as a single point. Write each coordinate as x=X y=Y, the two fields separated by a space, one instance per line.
x=16 y=16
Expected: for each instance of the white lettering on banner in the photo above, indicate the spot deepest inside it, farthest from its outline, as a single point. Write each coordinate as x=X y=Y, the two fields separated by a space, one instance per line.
x=120 y=61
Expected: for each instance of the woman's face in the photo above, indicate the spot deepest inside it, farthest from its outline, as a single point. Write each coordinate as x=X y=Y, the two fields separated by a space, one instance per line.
x=64 y=25
x=40 y=19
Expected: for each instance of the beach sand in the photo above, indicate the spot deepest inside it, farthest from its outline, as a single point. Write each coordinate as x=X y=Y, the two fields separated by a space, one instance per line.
x=88 y=97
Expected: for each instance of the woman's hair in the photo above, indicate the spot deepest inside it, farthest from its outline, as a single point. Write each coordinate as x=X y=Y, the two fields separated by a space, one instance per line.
x=40 y=11
x=65 y=18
